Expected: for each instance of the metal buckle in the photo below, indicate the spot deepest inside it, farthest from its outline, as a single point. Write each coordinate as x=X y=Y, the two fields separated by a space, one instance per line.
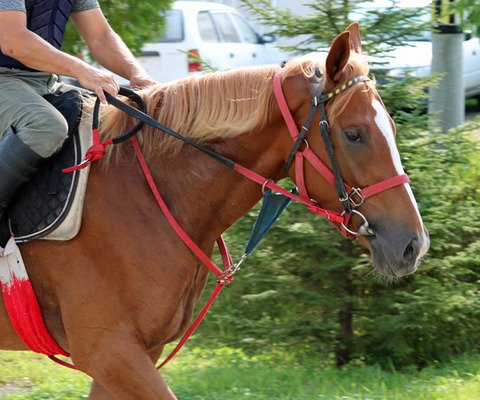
x=324 y=125
x=358 y=192
x=230 y=271
x=265 y=185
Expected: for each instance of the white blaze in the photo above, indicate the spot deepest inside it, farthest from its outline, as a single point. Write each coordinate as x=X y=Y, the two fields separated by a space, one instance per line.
x=383 y=122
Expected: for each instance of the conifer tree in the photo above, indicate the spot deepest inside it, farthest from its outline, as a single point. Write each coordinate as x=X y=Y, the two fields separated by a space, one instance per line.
x=381 y=29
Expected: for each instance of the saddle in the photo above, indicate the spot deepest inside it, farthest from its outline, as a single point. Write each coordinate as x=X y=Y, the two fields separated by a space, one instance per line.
x=44 y=202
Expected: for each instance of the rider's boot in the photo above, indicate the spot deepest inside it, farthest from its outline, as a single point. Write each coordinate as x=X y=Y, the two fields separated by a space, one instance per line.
x=18 y=163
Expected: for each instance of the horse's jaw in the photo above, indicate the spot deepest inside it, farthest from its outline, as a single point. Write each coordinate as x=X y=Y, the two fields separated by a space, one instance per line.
x=397 y=253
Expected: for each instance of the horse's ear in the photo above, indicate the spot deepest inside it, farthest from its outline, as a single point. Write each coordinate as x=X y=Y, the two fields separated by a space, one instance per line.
x=355 y=40
x=338 y=56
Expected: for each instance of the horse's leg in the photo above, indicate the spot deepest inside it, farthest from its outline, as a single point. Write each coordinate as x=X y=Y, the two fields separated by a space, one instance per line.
x=130 y=376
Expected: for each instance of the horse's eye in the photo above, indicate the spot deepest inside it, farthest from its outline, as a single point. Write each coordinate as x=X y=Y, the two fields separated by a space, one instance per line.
x=353 y=135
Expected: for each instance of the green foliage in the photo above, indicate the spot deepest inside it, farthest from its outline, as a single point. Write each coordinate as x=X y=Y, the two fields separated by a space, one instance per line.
x=230 y=374
x=26 y=375
x=137 y=22
x=469 y=13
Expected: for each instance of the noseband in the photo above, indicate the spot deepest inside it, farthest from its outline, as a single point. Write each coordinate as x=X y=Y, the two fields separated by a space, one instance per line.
x=350 y=197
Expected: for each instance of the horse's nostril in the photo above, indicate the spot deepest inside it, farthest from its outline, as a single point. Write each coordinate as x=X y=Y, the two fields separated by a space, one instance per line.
x=412 y=250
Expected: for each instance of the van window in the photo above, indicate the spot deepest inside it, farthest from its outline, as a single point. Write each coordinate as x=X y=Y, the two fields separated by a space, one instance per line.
x=249 y=35
x=226 y=27
x=174 y=31
x=206 y=27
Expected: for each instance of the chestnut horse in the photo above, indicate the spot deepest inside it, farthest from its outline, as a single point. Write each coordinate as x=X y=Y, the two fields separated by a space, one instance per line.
x=126 y=285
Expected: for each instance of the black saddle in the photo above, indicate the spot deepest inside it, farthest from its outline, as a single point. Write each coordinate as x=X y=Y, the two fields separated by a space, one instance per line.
x=43 y=202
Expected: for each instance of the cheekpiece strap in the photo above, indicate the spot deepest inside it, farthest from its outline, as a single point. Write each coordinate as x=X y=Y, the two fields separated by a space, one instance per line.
x=318 y=101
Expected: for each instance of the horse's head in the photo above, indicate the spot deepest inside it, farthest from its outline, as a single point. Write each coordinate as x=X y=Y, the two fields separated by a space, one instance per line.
x=385 y=215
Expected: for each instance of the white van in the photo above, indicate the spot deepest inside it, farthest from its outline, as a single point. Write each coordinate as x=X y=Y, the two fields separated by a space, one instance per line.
x=216 y=33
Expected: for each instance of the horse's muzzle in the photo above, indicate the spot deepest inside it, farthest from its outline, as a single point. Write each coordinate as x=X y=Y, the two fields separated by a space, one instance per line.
x=398 y=253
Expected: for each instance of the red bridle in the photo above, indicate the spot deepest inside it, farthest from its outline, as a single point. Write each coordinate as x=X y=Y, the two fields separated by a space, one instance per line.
x=354 y=197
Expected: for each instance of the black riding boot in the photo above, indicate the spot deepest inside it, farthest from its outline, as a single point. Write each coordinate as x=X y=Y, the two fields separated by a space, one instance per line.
x=18 y=163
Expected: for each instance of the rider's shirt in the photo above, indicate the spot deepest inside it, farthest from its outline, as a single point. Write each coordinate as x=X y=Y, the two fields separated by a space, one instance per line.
x=46 y=18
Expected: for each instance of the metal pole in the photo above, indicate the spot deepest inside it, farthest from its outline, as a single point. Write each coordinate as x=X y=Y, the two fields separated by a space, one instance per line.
x=447 y=100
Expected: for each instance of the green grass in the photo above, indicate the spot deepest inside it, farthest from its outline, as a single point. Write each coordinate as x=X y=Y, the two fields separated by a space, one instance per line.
x=227 y=374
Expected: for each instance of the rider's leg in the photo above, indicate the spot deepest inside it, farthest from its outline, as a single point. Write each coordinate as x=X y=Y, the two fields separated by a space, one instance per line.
x=36 y=122
x=30 y=128
x=18 y=163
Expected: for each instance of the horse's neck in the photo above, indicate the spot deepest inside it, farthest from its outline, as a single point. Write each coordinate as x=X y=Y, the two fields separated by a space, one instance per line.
x=207 y=196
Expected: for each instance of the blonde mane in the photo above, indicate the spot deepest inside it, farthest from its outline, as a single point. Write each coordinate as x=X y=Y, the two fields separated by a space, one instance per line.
x=223 y=105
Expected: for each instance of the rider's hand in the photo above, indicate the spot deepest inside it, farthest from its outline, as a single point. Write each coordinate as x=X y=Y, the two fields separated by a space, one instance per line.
x=141 y=82
x=99 y=81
